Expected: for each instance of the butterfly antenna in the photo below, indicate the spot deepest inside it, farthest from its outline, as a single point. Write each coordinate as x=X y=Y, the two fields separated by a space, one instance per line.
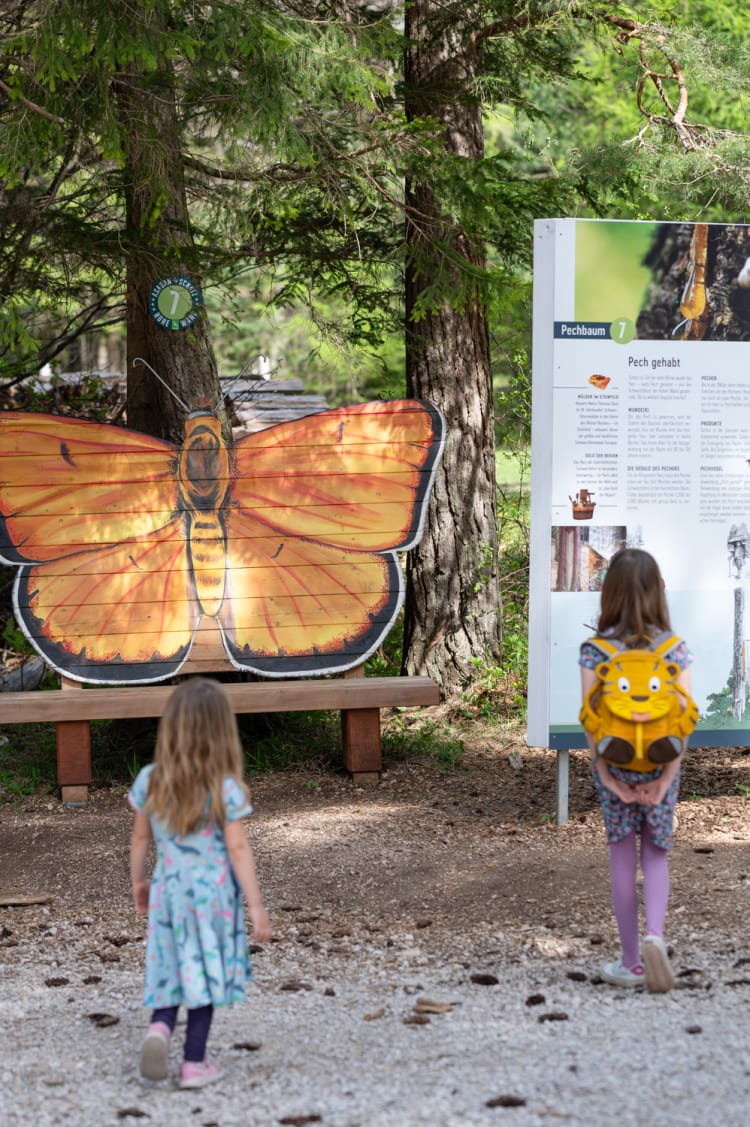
x=140 y=360
x=244 y=371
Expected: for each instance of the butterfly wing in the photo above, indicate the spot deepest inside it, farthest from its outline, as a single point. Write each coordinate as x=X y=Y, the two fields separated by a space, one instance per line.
x=296 y=606
x=318 y=508
x=105 y=592
x=356 y=478
x=70 y=484
x=116 y=615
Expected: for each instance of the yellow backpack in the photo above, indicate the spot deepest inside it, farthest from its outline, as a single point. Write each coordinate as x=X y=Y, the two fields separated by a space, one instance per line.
x=638 y=683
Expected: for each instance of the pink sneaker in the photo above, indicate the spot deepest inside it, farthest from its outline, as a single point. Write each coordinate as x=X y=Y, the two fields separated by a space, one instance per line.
x=196 y=1074
x=155 y=1051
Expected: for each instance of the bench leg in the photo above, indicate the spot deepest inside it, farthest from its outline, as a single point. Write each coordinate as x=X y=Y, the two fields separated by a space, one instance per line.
x=73 y=759
x=360 y=743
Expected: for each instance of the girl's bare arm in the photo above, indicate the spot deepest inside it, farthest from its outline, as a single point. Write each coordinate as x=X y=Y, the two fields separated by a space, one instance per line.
x=243 y=864
x=140 y=839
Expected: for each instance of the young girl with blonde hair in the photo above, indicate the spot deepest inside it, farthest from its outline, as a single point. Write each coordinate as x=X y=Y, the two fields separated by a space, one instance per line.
x=637 y=803
x=190 y=802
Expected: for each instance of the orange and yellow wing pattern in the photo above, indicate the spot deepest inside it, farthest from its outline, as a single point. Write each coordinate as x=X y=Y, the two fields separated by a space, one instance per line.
x=287 y=539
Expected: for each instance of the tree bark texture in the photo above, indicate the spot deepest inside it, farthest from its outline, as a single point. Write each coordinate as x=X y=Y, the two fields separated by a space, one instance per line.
x=453 y=597
x=158 y=245
x=676 y=274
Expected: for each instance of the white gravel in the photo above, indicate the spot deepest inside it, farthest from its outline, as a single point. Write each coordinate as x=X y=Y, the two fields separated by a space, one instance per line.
x=337 y=1047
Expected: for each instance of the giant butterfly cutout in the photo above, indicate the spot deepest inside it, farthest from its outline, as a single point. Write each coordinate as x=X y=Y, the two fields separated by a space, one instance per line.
x=287 y=539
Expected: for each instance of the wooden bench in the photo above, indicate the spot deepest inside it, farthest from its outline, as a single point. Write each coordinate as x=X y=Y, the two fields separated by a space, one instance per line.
x=358 y=699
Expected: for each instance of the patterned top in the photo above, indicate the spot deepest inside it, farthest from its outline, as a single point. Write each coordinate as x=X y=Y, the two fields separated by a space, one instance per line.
x=591 y=655
x=196 y=950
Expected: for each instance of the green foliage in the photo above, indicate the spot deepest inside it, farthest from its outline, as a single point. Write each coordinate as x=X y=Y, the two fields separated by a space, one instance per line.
x=28 y=763
x=405 y=739
x=386 y=661
x=296 y=740
x=719 y=709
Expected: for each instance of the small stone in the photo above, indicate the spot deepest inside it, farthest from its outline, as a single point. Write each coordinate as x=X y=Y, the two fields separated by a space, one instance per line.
x=484 y=979
x=135 y=1112
x=101 y=1021
x=535 y=1000
x=417 y=1019
x=56 y=981
x=429 y=1006
x=554 y=1015
x=248 y=1046
x=576 y=976
x=693 y=1028
x=506 y=1101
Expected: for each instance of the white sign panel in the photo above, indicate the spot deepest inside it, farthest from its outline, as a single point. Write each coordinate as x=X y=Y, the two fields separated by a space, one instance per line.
x=641 y=438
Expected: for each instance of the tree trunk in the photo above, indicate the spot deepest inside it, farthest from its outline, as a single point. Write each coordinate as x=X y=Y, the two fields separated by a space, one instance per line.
x=453 y=598
x=158 y=246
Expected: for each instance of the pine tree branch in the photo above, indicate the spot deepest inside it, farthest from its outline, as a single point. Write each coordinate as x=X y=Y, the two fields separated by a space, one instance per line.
x=16 y=97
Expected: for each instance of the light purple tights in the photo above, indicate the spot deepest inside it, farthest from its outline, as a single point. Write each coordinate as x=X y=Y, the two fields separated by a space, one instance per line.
x=623 y=865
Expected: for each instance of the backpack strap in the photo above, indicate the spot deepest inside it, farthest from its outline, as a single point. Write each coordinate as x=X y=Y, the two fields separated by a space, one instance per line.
x=609 y=646
x=669 y=641
x=662 y=643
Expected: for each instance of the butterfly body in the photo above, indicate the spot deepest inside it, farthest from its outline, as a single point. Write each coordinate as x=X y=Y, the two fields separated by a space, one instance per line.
x=285 y=539
x=204 y=475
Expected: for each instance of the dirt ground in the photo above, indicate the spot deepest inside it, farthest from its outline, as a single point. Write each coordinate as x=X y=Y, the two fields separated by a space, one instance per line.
x=425 y=849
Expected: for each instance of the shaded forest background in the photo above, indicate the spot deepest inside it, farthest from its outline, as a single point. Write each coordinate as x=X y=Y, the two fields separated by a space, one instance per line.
x=354 y=189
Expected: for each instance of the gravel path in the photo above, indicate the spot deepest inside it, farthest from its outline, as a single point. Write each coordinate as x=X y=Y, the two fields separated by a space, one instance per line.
x=334 y=1039
x=416 y=993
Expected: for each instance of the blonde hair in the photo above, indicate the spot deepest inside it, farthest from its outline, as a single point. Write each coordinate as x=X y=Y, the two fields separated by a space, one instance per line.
x=197 y=746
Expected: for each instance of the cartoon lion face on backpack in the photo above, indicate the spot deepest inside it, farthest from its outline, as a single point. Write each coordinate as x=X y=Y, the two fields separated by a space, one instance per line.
x=640 y=683
x=637 y=712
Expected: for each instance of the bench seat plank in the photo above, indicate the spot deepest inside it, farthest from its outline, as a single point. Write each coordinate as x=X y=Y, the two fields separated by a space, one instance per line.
x=125 y=702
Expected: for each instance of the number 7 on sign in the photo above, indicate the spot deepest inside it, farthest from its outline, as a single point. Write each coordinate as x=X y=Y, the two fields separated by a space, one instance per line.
x=176 y=295
x=622 y=330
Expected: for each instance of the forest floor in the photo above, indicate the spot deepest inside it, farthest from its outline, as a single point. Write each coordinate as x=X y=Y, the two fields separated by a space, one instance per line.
x=431 y=876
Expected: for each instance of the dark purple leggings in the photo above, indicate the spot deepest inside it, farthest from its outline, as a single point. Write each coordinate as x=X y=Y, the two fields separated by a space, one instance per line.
x=198 y=1028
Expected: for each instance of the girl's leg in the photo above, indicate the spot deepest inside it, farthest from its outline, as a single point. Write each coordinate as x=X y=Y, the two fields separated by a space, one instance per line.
x=167 y=1016
x=198 y=1027
x=655 y=866
x=623 y=863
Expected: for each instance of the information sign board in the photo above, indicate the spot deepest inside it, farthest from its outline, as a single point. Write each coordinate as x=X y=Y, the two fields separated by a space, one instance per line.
x=641 y=437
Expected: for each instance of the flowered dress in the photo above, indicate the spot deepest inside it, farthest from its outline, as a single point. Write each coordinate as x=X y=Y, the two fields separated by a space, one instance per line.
x=196 y=951
x=620 y=818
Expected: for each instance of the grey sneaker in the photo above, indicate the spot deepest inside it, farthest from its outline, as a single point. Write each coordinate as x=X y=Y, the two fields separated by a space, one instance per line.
x=155 y=1052
x=659 y=977
x=618 y=975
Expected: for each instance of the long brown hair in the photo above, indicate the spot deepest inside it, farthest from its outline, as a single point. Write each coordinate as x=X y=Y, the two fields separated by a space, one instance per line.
x=633 y=604
x=197 y=746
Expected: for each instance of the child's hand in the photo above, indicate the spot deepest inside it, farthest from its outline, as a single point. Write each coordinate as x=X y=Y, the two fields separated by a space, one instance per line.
x=651 y=794
x=625 y=793
x=262 y=930
x=141 y=889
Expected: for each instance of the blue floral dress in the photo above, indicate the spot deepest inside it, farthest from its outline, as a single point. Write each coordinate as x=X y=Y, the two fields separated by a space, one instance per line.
x=620 y=818
x=196 y=950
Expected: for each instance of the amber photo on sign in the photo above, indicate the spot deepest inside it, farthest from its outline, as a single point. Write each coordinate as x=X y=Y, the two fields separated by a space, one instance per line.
x=674 y=281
